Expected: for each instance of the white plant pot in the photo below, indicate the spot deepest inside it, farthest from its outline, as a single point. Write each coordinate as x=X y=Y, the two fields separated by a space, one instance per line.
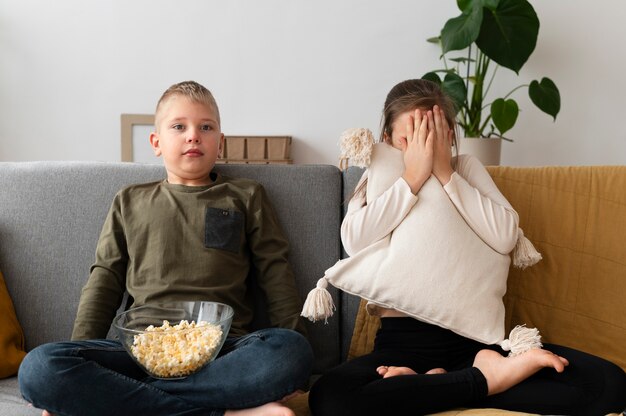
x=487 y=150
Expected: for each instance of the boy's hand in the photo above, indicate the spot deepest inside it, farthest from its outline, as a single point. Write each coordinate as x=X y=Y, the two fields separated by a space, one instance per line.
x=442 y=166
x=418 y=149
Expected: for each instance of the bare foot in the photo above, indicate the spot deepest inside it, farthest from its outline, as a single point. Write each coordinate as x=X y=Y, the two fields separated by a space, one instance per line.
x=268 y=409
x=502 y=373
x=291 y=396
x=437 y=370
x=392 y=371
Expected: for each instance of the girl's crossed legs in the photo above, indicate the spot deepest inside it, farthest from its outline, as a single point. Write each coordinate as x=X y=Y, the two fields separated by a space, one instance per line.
x=588 y=386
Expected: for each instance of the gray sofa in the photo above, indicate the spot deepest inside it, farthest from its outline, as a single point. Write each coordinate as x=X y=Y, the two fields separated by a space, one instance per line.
x=50 y=219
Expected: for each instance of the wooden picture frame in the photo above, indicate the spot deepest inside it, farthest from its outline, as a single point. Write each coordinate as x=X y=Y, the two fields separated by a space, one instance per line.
x=128 y=121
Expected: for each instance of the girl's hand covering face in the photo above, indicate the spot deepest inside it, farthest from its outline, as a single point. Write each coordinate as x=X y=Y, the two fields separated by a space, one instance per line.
x=418 y=148
x=425 y=138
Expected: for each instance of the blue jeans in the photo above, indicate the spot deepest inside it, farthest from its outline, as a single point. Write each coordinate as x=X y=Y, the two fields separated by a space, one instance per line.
x=99 y=378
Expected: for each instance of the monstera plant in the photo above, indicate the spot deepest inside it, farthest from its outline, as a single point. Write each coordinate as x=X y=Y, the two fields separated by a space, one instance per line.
x=487 y=35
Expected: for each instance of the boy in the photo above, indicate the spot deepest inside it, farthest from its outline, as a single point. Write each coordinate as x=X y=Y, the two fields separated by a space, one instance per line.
x=194 y=236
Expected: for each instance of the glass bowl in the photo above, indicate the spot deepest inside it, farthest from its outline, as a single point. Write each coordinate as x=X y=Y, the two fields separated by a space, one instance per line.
x=176 y=339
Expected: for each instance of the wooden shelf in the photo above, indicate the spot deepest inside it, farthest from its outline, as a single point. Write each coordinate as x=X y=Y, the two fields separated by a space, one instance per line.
x=256 y=150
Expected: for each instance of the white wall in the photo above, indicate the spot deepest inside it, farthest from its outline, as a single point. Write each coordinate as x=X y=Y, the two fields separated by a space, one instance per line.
x=309 y=69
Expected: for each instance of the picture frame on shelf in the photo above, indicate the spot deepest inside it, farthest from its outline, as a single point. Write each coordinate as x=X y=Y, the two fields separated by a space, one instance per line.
x=136 y=129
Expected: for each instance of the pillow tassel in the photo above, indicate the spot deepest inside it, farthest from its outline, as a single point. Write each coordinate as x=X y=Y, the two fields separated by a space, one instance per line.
x=521 y=339
x=319 y=303
x=524 y=253
x=356 y=147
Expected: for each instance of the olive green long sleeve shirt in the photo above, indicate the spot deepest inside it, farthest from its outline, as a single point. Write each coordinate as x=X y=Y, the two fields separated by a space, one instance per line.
x=163 y=242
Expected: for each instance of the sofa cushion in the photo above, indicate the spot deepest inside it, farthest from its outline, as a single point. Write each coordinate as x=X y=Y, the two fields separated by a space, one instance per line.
x=11 y=401
x=11 y=335
x=365 y=327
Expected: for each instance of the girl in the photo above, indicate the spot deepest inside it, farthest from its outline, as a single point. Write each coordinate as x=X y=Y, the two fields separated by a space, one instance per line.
x=417 y=367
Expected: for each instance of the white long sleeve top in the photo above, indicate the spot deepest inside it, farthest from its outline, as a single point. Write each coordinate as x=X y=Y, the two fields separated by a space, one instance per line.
x=471 y=190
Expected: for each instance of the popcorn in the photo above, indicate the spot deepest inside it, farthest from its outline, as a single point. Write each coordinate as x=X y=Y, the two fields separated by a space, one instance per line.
x=179 y=350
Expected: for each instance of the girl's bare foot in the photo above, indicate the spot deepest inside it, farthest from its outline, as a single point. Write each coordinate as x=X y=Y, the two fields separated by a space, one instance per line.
x=291 y=396
x=391 y=371
x=268 y=409
x=502 y=373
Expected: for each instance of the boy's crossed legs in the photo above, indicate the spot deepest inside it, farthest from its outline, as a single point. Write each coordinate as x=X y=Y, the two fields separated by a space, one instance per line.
x=251 y=374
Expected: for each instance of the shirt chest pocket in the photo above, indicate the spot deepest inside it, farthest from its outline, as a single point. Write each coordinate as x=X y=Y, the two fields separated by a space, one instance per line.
x=223 y=229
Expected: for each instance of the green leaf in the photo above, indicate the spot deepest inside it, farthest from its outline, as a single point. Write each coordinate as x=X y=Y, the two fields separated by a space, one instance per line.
x=464 y=60
x=460 y=32
x=432 y=76
x=491 y=4
x=454 y=87
x=504 y=114
x=508 y=34
x=435 y=39
x=464 y=4
x=546 y=96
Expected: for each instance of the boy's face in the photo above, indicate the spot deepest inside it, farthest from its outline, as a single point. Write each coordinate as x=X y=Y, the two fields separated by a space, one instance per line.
x=190 y=140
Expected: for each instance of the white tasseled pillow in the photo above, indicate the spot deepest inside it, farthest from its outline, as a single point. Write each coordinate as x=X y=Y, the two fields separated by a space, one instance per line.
x=432 y=266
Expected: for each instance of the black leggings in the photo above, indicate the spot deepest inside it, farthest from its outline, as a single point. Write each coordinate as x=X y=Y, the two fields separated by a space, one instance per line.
x=589 y=385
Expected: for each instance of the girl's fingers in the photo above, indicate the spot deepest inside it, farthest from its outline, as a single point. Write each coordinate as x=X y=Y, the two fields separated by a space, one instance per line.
x=444 y=121
x=409 y=129
x=430 y=138
x=424 y=127
x=439 y=123
x=431 y=122
x=429 y=131
x=418 y=120
x=443 y=128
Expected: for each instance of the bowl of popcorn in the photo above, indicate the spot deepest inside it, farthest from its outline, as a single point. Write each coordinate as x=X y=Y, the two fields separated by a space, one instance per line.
x=174 y=340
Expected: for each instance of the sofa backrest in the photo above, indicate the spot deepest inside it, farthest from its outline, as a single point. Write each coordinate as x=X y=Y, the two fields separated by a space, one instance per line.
x=51 y=214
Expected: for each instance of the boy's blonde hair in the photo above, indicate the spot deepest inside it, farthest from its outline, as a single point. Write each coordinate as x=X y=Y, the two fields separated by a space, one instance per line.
x=191 y=90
